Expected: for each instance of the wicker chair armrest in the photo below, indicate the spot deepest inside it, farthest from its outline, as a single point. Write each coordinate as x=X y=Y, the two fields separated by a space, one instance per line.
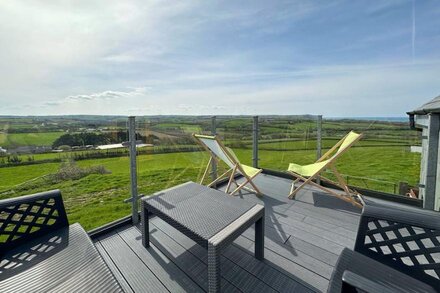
x=400 y=213
x=361 y=283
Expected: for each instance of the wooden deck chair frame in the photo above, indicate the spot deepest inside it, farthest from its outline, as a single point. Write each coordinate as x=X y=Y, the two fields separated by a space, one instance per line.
x=231 y=172
x=349 y=194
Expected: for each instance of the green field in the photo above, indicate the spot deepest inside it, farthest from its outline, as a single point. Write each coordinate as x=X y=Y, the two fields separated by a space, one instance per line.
x=98 y=199
x=326 y=144
x=389 y=164
x=63 y=155
x=382 y=157
x=8 y=140
x=185 y=127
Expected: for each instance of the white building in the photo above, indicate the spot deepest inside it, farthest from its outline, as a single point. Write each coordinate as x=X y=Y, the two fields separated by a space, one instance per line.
x=427 y=119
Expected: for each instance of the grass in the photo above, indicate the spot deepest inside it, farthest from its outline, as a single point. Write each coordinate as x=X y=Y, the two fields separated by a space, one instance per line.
x=190 y=128
x=12 y=176
x=282 y=144
x=392 y=164
x=98 y=199
x=63 y=155
x=326 y=143
x=8 y=140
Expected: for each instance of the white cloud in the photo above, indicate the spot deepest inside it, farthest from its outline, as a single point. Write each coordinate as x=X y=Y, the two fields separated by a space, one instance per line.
x=108 y=95
x=333 y=91
x=391 y=89
x=45 y=44
x=84 y=101
x=201 y=57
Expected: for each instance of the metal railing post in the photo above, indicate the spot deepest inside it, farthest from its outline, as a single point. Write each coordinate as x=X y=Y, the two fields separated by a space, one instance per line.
x=319 y=141
x=133 y=169
x=213 y=163
x=255 y=142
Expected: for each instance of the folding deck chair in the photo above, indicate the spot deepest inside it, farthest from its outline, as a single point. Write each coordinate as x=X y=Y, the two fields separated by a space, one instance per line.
x=308 y=173
x=220 y=152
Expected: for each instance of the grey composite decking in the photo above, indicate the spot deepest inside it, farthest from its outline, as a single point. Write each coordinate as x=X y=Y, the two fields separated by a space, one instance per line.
x=303 y=240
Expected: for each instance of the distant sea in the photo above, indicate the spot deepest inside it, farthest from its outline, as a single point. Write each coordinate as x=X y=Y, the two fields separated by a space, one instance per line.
x=389 y=119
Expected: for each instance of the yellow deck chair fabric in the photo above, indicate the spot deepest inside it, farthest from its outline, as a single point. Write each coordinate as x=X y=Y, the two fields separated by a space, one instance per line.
x=307 y=173
x=307 y=170
x=250 y=171
x=227 y=155
x=349 y=140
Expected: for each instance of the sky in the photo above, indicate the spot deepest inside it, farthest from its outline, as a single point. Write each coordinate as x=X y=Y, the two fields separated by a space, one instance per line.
x=335 y=58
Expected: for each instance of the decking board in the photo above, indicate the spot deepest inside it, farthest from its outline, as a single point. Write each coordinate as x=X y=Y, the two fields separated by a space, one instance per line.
x=173 y=278
x=140 y=278
x=245 y=283
x=296 y=256
x=119 y=277
x=303 y=239
x=306 y=241
x=301 y=274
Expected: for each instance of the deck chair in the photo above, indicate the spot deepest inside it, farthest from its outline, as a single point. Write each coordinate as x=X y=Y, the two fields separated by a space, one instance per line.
x=307 y=173
x=220 y=152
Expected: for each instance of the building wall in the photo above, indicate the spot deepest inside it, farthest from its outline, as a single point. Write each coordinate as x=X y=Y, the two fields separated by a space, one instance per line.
x=437 y=189
x=423 y=122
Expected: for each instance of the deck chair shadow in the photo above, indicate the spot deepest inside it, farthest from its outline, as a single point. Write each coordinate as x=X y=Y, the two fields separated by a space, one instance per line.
x=219 y=152
x=308 y=173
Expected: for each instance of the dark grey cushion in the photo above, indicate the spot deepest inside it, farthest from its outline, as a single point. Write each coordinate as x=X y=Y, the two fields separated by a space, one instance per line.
x=64 y=260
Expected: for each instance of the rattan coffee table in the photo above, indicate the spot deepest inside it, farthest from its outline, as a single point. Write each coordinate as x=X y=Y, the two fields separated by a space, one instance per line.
x=210 y=217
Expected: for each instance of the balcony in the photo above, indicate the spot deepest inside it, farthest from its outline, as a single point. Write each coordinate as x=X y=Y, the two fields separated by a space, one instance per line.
x=304 y=238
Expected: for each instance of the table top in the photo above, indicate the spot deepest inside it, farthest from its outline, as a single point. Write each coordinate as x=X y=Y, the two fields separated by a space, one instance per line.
x=203 y=210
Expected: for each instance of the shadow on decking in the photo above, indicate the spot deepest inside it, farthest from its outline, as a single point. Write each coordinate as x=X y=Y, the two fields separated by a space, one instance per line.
x=271 y=215
x=324 y=200
x=17 y=261
x=238 y=264
x=303 y=238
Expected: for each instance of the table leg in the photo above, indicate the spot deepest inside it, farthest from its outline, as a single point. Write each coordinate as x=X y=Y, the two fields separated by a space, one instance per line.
x=214 y=275
x=259 y=238
x=145 y=226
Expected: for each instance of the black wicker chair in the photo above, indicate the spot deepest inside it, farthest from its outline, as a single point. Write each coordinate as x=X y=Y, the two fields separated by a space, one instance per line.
x=40 y=252
x=397 y=249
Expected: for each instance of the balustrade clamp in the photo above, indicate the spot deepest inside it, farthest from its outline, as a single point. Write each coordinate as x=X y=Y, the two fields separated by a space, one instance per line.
x=131 y=199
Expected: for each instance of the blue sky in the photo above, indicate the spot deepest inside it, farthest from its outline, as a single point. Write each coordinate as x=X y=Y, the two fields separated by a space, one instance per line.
x=336 y=58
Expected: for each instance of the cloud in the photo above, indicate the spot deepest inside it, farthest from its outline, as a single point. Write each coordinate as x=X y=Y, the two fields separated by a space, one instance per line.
x=203 y=57
x=101 y=96
x=348 y=90
x=108 y=95
x=383 y=89
x=52 y=103
x=201 y=108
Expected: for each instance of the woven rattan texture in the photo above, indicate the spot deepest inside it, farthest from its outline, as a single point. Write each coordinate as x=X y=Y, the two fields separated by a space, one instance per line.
x=202 y=210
